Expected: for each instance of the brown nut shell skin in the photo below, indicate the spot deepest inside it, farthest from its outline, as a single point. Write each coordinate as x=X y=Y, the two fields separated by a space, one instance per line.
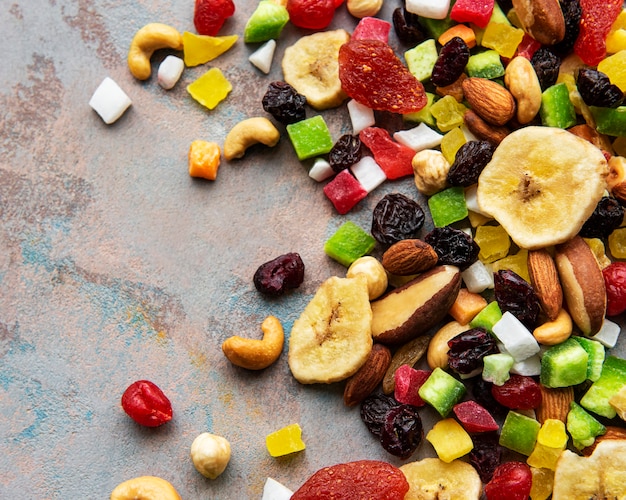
x=541 y=19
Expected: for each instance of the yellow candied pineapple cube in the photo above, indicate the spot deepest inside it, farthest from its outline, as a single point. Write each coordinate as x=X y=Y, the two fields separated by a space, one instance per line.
x=494 y=243
x=516 y=263
x=503 y=38
x=452 y=142
x=551 y=441
x=450 y=440
x=617 y=243
x=204 y=159
x=597 y=247
x=543 y=481
x=616 y=39
x=285 y=441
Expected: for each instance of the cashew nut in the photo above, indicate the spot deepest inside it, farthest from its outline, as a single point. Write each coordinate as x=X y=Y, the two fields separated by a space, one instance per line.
x=145 y=488
x=248 y=132
x=255 y=354
x=210 y=454
x=554 y=332
x=437 y=354
x=148 y=39
x=375 y=273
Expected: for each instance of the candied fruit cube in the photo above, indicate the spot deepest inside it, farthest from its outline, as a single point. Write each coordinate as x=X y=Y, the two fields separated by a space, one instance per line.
x=610 y=121
x=451 y=143
x=616 y=39
x=494 y=243
x=617 y=243
x=472 y=11
x=394 y=158
x=109 y=101
x=372 y=28
x=408 y=380
x=210 y=89
x=487 y=317
x=421 y=59
x=503 y=38
x=582 y=426
x=551 y=441
x=448 y=206
x=285 y=441
x=349 y=243
x=485 y=64
x=204 y=159
x=424 y=115
x=442 y=391
x=310 y=137
x=450 y=440
x=467 y=305
x=266 y=22
x=564 y=364
x=518 y=263
x=519 y=433
x=431 y=9
x=344 y=191
x=556 y=108
x=368 y=173
x=448 y=113
x=543 y=480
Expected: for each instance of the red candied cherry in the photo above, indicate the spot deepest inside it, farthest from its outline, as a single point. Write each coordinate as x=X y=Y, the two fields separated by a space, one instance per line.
x=615 y=283
x=311 y=14
x=210 y=15
x=518 y=393
x=146 y=404
x=510 y=481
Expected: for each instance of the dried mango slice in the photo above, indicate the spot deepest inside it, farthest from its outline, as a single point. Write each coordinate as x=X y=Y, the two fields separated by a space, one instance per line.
x=200 y=49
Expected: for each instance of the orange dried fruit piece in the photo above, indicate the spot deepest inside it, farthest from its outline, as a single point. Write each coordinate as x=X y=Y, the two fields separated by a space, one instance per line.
x=199 y=49
x=204 y=159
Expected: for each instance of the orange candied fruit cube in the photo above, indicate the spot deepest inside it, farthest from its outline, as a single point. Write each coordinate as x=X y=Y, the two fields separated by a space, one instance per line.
x=204 y=159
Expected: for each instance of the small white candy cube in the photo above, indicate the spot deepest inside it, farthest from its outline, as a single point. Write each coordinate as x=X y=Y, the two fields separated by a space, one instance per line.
x=263 y=56
x=109 y=101
x=608 y=334
x=368 y=173
x=477 y=277
x=434 y=9
x=530 y=367
x=419 y=138
x=321 y=170
x=361 y=116
x=273 y=490
x=170 y=71
x=516 y=338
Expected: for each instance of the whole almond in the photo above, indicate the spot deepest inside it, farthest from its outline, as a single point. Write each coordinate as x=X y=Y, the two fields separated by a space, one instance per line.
x=555 y=403
x=541 y=19
x=367 y=378
x=612 y=433
x=490 y=100
x=545 y=281
x=408 y=257
x=483 y=130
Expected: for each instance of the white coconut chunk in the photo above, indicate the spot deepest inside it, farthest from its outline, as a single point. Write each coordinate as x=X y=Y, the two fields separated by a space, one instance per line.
x=530 y=367
x=434 y=9
x=516 y=338
x=321 y=170
x=477 y=277
x=262 y=57
x=109 y=101
x=273 y=490
x=608 y=334
x=361 y=116
x=170 y=71
x=368 y=173
x=419 y=138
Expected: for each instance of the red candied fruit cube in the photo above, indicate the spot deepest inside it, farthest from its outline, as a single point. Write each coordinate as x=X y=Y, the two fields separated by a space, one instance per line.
x=472 y=11
x=344 y=191
x=394 y=158
x=407 y=382
x=595 y=24
x=372 y=28
x=474 y=418
x=527 y=47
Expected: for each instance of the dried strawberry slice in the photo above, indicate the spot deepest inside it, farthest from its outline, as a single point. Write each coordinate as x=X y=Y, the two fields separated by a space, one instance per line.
x=372 y=75
x=355 y=480
x=210 y=15
x=595 y=24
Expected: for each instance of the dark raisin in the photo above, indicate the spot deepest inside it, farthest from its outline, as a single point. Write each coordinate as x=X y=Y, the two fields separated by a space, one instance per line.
x=407 y=26
x=345 y=152
x=468 y=349
x=373 y=411
x=284 y=103
x=451 y=62
x=515 y=295
x=505 y=5
x=481 y=390
x=280 y=274
x=572 y=13
x=518 y=393
x=597 y=90
x=606 y=217
x=546 y=64
x=402 y=431
x=396 y=218
x=453 y=246
x=486 y=454
x=469 y=162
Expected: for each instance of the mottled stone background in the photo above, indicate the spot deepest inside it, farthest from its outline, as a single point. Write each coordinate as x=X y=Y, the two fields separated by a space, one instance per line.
x=115 y=265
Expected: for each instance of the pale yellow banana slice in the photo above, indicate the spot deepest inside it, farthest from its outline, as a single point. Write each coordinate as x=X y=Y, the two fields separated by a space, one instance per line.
x=311 y=67
x=542 y=184
x=332 y=338
x=434 y=479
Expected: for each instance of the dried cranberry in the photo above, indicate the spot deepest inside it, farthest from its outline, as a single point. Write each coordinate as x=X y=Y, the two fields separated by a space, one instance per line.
x=486 y=454
x=451 y=62
x=606 y=217
x=280 y=274
x=402 y=431
x=518 y=393
x=146 y=404
x=597 y=90
x=373 y=411
x=210 y=15
x=546 y=64
x=615 y=284
x=284 y=103
x=511 y=481
x=396 y=217
x=407 y=26
x=453 y=246
x=469 y=162
x=514 y=294
x=572 y=13
x=468 y=349
x=345 y=152
x=311 y=14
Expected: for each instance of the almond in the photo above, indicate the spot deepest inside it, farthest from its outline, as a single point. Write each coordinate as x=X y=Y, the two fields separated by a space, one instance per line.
x=490 y=100
x=541 y=19
x=612 y=433
x=408 y=257
x=367 y=378
x=483 y=130
x=555 y=403
x=545 y=281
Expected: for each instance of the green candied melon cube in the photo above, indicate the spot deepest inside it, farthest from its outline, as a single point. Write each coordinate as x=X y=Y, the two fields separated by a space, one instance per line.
x=485 y=64
x=425 y=114
x=434 y=28
x=442 y=391
x=582 y=426
x=487 y=317
x=519 y=433
x=612 y=379
x=496 y=368
x=310 y=137
x=610 y=121
x=421 y=59
x=349 y=243
x=596 y=353
x=556 y=108
x=448 y=206
x=564 y=365
x=266 y=22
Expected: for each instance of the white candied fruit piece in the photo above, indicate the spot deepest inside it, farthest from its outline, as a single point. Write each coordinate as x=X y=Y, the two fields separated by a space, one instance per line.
x=368 y=173
x=471 y=200
x=529 y=367
x=170 y=71
x=468 y=134
x=361 y=116
x=477 y=277
x=419 y=138
x=263 y=56
x=434 y=9
x=608 y=334
x=516 y=338
x=109 y=101
x=321 y=170
x=273 y=490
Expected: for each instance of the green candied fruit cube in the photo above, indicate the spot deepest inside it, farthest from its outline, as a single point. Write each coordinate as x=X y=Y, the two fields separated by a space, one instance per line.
x=349 y=243
x=519 y=433
x=582 y=426
x=421 y=59
x=610 y=121
x=564 y=365
x=485 y=64
x=487 y=317
x=310 y=137
x=434 y=28
x=596 y=353
x=496 y=367
x=556 y=108
x=266 y=22
x=613 y=378
x=448 y=206
x=448 y=113
x=442 y=391
x=425 y=114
